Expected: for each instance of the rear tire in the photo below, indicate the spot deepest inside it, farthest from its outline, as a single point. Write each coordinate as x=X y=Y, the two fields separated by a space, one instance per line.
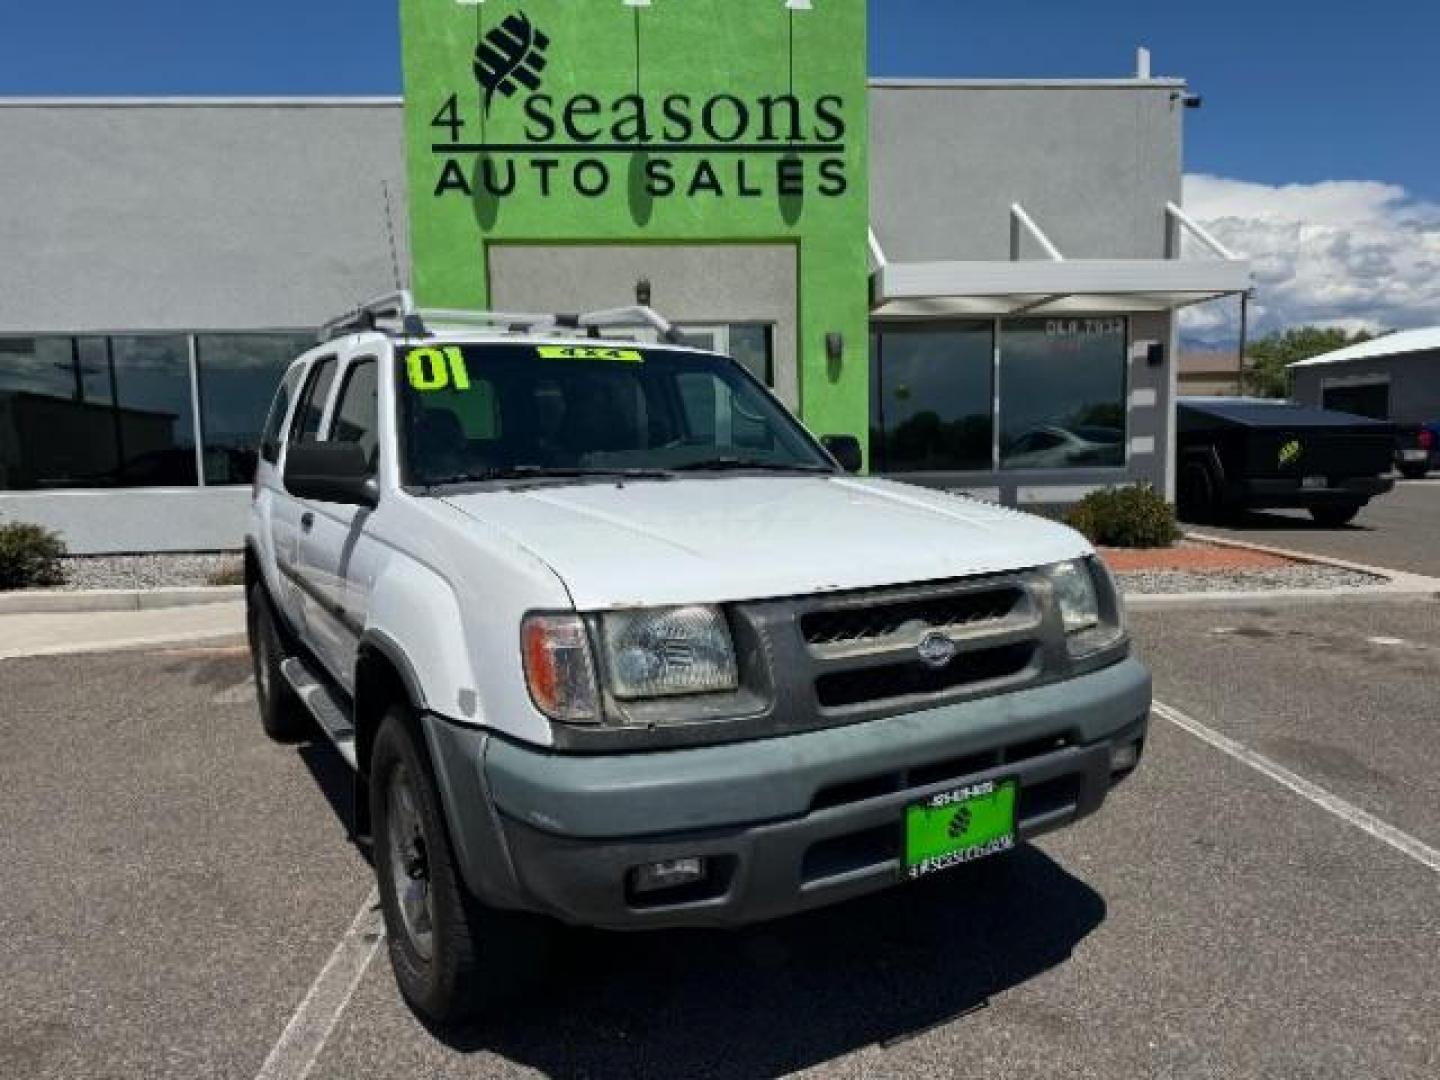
x=1334 y=516
x=282 y=714
x=1414 y=472
x=453 y=957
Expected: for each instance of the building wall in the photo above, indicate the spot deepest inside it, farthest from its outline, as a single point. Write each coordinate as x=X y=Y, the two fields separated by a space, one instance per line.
x=1093 y=164
x=1414 y=382
x=136 y=217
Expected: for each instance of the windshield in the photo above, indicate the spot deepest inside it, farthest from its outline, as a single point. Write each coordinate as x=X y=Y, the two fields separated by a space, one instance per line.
x=472 y=413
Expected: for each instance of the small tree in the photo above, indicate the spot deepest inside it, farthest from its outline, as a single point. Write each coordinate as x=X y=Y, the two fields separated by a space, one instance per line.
x=1266 y=359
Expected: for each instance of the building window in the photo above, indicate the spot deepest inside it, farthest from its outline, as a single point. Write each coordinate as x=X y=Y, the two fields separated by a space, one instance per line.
x=98 y=412
x=933 y=397
x=153 y=411
x=238 y=374
x=95 y=412
x=1062 y=393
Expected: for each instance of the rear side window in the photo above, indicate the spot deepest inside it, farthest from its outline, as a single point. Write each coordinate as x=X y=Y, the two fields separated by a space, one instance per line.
x=275 y=422
x=306 y=425
x=357 y=410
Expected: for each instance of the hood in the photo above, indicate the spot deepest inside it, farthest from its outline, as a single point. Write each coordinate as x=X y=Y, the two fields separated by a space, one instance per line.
x=723 y=539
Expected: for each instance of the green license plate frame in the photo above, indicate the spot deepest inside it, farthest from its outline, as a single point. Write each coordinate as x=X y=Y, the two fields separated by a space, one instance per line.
x=958 y=826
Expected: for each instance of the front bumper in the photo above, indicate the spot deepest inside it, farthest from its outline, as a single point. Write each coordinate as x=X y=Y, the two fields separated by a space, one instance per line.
x=787 y=823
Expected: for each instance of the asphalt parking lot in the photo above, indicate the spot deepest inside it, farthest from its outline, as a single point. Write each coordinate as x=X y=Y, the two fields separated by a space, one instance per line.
x=1397 y=531
x=175 y=884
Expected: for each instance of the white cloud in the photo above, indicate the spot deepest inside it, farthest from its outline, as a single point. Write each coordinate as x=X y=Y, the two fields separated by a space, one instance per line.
x=1355 y=254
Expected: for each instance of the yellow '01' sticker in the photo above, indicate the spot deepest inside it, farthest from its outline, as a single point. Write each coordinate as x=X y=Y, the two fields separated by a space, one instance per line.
x=430 y=369
x=586 y=352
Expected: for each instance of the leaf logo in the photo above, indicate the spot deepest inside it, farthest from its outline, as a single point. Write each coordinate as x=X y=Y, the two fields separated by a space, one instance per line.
x=960 y=823
x=1290 y=452
x=513 y=52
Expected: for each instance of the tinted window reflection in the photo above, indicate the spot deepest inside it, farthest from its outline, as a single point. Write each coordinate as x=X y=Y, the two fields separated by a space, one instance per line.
x=238 y=376
x=153 y=412
x=751 y=346
x=57 y=423
x=1062 y=393
x=933 y=398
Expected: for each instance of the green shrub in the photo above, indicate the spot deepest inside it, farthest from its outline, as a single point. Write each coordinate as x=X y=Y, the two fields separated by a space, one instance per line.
x=30 y=557
x=1127 y=517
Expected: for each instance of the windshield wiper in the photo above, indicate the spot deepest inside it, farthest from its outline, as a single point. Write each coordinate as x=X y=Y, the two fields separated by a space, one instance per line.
x=727 y=464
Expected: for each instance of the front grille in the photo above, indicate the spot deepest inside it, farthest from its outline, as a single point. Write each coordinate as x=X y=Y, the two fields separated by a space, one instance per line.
x=853 y=625
x=838 y=689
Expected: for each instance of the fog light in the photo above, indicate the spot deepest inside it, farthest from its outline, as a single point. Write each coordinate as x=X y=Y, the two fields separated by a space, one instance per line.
x=652 y=877
x=1124 y=758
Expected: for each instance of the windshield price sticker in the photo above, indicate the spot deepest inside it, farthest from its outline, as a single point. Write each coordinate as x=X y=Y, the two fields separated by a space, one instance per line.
x=576 y=352
x=431 y=369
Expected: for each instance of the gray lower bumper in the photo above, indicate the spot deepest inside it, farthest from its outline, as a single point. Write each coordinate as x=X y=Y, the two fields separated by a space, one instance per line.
x=787 y=823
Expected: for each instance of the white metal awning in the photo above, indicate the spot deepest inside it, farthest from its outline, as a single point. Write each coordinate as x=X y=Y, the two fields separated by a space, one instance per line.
x=1054 y=284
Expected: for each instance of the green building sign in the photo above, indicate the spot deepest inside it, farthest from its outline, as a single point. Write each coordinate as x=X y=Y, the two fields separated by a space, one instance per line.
x=556 y=122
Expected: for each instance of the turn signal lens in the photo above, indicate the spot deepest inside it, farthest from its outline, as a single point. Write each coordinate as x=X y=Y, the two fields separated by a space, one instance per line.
x=558 y=668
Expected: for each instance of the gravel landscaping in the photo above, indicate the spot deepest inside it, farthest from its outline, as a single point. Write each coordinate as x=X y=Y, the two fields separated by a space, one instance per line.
x=1298 y=576
x=149 y=571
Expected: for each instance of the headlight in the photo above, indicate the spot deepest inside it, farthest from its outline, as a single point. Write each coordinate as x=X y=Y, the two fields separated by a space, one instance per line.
x=661 y=652
x=1089 y=605
x=558 y=669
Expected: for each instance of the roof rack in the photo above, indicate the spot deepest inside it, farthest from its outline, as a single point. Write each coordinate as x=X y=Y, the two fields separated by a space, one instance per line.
x=396 y=313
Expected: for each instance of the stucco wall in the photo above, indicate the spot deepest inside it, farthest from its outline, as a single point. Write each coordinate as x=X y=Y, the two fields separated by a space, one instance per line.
x=1093 y=164
x=189 y=217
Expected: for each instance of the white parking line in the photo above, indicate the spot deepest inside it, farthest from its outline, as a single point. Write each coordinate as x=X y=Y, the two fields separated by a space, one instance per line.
x=1401 y=841
x=299 y=1046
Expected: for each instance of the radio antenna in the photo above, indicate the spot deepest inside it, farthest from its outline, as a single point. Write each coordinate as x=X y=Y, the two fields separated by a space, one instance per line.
x=390 y=234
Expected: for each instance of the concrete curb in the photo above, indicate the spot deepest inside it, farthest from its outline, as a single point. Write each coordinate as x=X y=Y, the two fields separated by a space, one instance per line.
x=124 y=644
x=53 y=601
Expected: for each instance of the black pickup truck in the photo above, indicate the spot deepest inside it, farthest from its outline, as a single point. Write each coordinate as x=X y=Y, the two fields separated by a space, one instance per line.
x=1248 y=453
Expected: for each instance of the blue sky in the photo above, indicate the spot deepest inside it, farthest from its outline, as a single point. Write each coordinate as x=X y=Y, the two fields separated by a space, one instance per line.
x=1297 y=97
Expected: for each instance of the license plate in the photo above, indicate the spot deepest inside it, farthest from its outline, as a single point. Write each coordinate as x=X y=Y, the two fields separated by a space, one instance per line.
x=959 y=826
x=1311 y=482
x=1415 y=455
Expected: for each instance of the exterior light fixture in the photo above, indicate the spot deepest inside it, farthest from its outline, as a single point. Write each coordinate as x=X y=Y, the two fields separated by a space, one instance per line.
x=636 y=3
x=799 y=5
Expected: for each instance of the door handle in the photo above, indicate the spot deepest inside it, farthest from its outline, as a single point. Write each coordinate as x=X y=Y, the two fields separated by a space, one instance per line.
x=307 y=521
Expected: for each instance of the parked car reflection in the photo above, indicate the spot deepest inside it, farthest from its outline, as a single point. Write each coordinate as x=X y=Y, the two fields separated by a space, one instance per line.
x=1051 y=446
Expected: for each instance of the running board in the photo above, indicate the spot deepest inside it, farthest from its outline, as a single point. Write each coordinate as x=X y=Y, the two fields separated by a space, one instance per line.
x=327 y=710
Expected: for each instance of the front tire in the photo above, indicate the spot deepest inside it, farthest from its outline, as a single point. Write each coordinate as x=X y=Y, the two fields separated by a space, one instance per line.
x=282 y=714
x=1334 y=516
x=453 y=957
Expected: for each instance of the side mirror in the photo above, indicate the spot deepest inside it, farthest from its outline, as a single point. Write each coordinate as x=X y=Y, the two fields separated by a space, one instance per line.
x=333 y=472
x=845 y=449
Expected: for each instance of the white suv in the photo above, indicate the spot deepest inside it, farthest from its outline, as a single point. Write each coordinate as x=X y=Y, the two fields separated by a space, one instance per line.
x=610 y=639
